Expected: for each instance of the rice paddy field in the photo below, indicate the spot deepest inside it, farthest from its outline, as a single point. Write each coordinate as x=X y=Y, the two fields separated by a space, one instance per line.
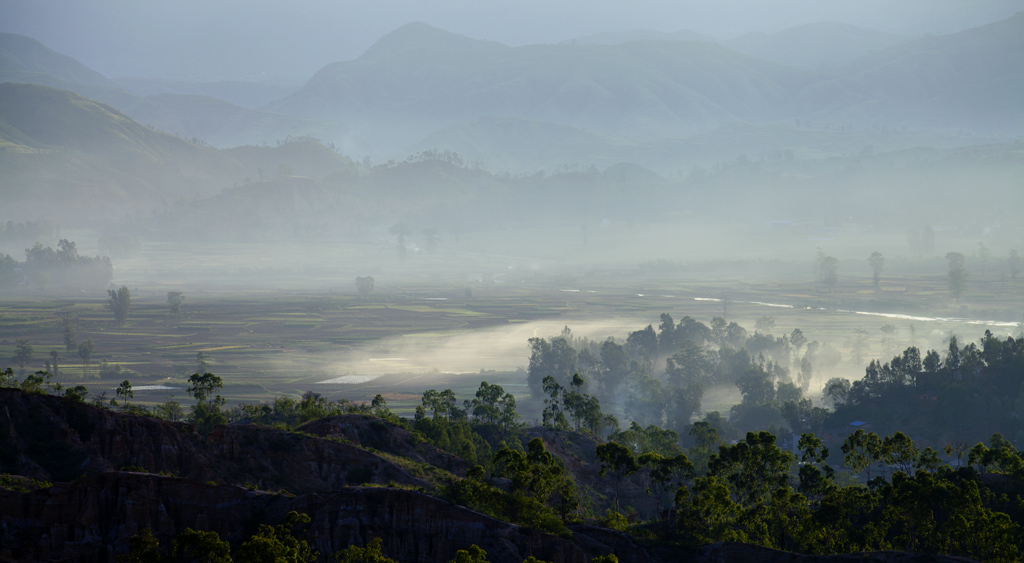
x=433 y=333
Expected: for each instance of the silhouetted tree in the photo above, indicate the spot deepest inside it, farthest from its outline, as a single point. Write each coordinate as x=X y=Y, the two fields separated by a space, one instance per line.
x=764 y=324
x=202 y=366
x=175 y=300
x=860 y=450
x=877 y=262
x=401 y=230
x=124 y=392
x=494 y=406
x=956 y=279
x=797 y=339
x=983 y=254
x=22 y=354
x=67 y=328
x=364 y=284
x=618 y=460
x=85 y=351
x=142 y=548
x=120 y=301
x=828 y=272
x=193 y=545
x=202 y=387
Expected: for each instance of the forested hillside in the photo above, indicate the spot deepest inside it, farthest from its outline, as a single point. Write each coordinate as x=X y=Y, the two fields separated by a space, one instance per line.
x=567 y=485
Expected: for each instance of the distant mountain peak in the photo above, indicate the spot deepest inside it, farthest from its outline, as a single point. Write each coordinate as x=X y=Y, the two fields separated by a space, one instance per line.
x=419 y=35
x=616 y=37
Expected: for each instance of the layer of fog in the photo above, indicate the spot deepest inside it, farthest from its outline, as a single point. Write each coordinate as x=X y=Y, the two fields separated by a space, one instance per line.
x=755 y=251
x=899 y=316
x=502 y=349
x=430 y=359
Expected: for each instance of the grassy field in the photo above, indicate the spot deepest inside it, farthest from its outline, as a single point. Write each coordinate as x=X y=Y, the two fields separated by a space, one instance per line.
x=265 y=344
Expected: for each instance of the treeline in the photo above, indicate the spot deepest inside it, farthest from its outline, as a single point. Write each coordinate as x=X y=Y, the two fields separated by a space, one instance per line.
x=660 y=377
x=45 y=267
x=955 y=396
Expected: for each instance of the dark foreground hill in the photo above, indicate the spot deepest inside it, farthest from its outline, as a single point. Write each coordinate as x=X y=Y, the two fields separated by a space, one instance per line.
x=92 y=518
x=235 y=478
x=240 y=476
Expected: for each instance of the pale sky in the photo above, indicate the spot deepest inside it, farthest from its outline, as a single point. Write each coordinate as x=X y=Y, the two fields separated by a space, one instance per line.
x=263 y=40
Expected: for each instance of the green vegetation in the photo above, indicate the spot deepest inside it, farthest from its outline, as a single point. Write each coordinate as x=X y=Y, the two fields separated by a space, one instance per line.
x=206 y=413
x=21 y=484
x=370 y=554
x=288 y=413
x=273 y=544
x=752 y=491
x=969 y=391
x=927 y=509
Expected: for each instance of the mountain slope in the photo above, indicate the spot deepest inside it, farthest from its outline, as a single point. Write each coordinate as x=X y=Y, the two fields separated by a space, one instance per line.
x=22 y=57
x=525 y=146
x=971 y=79
x=812 y=45
x=251 y=95
x=27 y=61
x=76 y=157
x=424 y=78
x=219 y=123
x=419 y=80
x=521 y=145
x=59 y=118
x=89 y=154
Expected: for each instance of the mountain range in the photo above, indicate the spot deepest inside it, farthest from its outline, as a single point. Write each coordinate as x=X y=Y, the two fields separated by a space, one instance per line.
x=664 y=101
x=212 y=120
x=810 y=45
x=83 y=163
x=72 y=155
x=421 y=79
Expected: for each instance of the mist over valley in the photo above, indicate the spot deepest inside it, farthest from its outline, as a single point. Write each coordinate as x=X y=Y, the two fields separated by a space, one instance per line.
x=608 y=284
